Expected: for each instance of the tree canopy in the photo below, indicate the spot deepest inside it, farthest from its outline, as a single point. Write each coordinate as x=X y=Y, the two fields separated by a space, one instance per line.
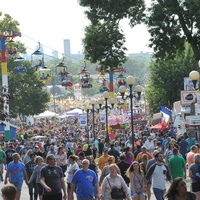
x=171 y=23
x=167 y=79
x=104 y=40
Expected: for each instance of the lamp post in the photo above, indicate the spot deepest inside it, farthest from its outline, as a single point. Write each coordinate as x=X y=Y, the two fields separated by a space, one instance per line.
x=106 y=96
x=87 y=111
x=92 y=102
x=130 y=80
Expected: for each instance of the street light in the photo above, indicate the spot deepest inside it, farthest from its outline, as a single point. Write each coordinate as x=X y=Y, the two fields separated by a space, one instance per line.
x=130 y=80
x=92 y=102
x=112 y=101
x=194 y=76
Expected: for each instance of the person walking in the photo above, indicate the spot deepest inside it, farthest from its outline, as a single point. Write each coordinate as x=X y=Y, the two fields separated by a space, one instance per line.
x=113 y=180
x=190 y=155
x=36 y=175
x=72 y=168
x=16 y=172
x=84 y=180
x=103 y=160
x=114 y=152
x=177 y=165
x=61 y=159
x=137 y=181
x=33 y=190
x=123 y=166
x=159 y=172
x=193 y=170
x=178 y=190
x=52 y=180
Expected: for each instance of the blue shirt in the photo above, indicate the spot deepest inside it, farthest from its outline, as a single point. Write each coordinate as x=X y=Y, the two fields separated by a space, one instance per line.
x=16 y=170
x=85 y=182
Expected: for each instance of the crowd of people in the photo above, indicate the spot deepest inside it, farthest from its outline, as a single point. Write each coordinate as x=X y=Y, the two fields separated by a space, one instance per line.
x=67 y=166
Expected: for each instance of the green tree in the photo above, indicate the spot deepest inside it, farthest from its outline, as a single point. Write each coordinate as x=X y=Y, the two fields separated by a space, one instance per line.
x=171 y=23
x=31 y=98
x=27 y=96
x=166 y=79
x=104 y=40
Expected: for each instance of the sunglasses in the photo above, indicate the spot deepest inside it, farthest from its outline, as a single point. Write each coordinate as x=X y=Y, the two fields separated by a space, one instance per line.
x=110 y=160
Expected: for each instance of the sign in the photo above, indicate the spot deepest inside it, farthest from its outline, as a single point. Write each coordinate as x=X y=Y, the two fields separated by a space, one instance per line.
x=102 y=117
x=193 y=120
x=188 y=84
x=188 y=97
x=83 y=120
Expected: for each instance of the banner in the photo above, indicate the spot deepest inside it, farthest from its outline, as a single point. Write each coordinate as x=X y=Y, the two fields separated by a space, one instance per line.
x=83 y=119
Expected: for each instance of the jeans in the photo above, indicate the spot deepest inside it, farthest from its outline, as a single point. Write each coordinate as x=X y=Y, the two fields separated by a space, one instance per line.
x=159 y=194
x=32 y=186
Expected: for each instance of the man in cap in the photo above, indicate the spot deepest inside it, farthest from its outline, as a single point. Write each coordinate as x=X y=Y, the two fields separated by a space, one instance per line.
x=103 y=160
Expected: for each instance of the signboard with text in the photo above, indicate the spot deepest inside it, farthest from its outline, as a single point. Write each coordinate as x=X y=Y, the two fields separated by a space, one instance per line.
x=188 y=97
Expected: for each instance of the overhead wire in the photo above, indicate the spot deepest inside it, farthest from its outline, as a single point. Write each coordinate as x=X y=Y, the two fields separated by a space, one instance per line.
x=67 y=56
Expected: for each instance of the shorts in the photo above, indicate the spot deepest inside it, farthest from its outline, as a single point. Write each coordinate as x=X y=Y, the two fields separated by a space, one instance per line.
x=195 y=187
x=140 y=193
x=40 y=189
x=18 y=185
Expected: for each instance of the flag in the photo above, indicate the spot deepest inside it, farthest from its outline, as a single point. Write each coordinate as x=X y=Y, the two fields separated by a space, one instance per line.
x=165 y=114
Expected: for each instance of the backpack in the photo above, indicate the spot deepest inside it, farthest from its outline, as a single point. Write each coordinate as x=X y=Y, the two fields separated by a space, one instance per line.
x=196 y=176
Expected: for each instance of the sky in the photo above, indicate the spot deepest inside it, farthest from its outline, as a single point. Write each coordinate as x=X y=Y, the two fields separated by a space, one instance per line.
x=50 y=22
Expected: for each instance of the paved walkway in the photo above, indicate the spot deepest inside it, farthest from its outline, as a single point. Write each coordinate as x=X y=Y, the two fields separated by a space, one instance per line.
x=25 y=195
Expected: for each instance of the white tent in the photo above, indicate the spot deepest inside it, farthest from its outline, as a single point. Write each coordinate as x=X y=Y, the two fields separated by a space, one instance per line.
x=46 y=113
x=74 y=112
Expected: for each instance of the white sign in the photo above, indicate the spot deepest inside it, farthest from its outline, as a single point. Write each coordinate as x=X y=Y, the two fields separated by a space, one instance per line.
x=188 y=97
x=193 y=120
x=102 y=117
x=188 y=84
x=83 y=120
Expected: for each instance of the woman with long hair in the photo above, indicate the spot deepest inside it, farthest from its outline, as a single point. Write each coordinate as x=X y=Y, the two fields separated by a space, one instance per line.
x=178 y=191
x=61 y=159
x=137 y=181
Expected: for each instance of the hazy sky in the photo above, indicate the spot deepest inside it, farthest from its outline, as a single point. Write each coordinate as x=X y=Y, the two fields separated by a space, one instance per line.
x=50 y=22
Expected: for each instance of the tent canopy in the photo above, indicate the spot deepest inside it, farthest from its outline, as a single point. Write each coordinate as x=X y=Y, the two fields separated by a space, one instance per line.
x=74 y=112
x=46 y=113
x=159 y=126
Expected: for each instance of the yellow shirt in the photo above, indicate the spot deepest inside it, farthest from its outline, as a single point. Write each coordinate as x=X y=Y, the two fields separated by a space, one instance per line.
x=103 y=160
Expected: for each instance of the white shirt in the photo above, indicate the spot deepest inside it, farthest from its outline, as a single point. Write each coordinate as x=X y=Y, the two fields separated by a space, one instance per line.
x=158 y=177
x=70 y=173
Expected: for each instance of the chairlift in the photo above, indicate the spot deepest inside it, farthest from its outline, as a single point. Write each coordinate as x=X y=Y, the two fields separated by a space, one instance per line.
x=37 y=59
x=84 y=77
x=45 y=75
x=11 y=49
x=103 y=82
x=63 y=76
x=121 y=80
x=20 y=68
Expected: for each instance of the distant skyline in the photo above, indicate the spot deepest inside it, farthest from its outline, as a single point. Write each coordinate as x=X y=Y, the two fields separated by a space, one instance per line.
x=51 y=24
